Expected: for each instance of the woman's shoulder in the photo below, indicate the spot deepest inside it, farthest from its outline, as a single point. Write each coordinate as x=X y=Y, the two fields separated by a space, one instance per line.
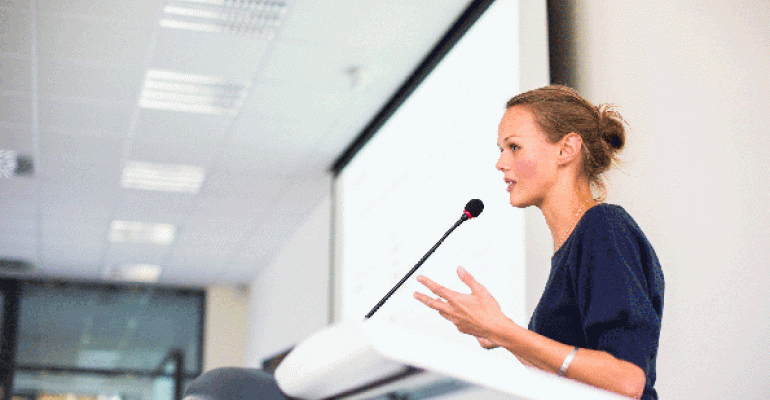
x=607 y=223
x=606 y=210
x=606 y=215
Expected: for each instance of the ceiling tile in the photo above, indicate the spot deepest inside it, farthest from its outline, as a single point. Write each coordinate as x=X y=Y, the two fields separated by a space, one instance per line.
x=225 y=209
x=154 y=206
x=78 y=190
x=18 y=198
x=220 y=55
x=15 y=74
x=134 y=253
x=95 y=212
x=58 y=233
x=70 y=267
x=112 y=84
x=64 y=251
x=119 y=10
x=255 y=159
x=247 y=186
x=19 y=246
x=370 y=24
x=16 y=33
x=16 y=109
x=156 y=125
x=88 y=39
x=194 y=273
x=276 y=135
x=267 y=165
x=319 y=67
x=94 y=116
x=16 y=4
x=210 y=240
x=17 y=137
x=199 y=153
x=22 y=225
x=291 y=101
x=90 y=160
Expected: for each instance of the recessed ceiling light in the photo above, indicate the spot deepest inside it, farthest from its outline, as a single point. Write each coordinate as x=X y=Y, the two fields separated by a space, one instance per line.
x=141 y=232
x=134 y=273
x=165 y=177
x=254 y=18
x=201 y=94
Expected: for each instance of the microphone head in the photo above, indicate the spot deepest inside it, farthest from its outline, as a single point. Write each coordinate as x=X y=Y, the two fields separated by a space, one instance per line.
x=474 y=208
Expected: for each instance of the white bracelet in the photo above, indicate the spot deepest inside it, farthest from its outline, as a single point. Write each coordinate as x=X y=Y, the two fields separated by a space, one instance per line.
x=567 y=362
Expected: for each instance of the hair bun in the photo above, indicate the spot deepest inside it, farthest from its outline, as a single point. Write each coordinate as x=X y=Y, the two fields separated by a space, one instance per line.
x=611 y=128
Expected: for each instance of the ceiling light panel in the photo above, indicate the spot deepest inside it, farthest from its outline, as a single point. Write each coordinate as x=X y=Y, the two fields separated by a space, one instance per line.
x=163 y=177
x=254 y=18
x=142 y=232
x=134 y=273
x=173 y=91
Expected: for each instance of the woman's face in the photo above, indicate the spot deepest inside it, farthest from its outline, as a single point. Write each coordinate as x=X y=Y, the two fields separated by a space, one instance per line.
x=527 y=158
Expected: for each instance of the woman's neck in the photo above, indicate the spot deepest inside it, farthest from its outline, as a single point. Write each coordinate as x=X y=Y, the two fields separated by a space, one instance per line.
x=564 y=208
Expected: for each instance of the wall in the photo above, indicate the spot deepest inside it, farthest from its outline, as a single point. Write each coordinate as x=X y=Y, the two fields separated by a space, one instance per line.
x=290 y=299
x=226 y=326
x=691 y=79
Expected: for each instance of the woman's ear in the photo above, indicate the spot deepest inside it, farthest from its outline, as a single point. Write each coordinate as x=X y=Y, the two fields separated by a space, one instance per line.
x=571 y=146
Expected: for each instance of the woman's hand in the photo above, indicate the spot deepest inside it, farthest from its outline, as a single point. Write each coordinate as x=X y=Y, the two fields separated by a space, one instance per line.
x=477 y=313
x=486 y=343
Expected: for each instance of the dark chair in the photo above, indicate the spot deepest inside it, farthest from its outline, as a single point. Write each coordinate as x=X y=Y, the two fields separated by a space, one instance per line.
x=234 y=384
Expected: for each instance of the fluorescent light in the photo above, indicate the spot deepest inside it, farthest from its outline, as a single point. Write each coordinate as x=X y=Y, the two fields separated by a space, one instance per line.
x=164 y=177
x=141 y=232
x=174 y=91
x=135 y=273
x=191 y=26
x=260 y=18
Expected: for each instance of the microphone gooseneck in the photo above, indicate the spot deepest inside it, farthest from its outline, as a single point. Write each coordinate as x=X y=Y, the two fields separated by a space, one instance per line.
x=472 y=210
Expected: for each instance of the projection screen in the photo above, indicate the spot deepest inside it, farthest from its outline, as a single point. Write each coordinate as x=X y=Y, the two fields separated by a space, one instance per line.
x=410 y=182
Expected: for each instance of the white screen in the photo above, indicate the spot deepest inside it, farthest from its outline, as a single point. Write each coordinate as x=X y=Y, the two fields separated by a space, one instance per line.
x=409 y=185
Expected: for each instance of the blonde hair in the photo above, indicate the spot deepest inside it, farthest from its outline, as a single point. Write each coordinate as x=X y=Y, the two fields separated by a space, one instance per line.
x=559 y=110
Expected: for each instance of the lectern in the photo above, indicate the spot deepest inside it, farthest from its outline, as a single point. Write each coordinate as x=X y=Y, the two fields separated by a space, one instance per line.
x=372 y=359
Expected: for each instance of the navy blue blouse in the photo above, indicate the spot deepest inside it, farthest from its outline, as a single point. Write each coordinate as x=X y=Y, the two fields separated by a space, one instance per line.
x=605 y=291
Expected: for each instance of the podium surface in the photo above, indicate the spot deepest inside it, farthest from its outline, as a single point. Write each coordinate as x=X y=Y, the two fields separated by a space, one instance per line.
x=371 y=359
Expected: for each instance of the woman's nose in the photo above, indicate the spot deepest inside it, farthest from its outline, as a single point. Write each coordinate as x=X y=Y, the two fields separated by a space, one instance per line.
x=502 y=163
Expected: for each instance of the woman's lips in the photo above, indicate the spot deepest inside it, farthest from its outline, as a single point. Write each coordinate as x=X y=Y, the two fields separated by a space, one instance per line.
x=509 y=184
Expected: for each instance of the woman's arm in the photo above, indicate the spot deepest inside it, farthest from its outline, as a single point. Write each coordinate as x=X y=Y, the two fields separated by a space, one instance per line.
x=479 y=314
x=596 y=368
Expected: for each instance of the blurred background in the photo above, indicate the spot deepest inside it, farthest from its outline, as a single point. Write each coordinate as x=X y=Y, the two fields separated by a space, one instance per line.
x=168 y=200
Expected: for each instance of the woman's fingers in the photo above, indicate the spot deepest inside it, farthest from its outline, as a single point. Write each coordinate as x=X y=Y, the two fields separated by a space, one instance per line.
x=486 y=343
x=470 y=281
x=437 y=289
x=435 y=304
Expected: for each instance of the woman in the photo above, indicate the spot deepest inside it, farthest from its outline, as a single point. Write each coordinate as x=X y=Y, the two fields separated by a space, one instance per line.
x=599 y=317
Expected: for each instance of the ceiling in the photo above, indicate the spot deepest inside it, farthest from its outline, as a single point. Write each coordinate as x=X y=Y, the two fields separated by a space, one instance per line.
x=294 y=87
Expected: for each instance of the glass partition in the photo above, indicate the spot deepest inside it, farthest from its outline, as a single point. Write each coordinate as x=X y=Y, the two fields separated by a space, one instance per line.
x=54 y=385
x=99 y=341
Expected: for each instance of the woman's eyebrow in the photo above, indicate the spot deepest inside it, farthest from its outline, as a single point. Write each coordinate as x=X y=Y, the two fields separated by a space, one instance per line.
x=505 y=139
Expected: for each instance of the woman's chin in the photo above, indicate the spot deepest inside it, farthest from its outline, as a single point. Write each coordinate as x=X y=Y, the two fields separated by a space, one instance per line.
x=516 y=202
x=519 y=202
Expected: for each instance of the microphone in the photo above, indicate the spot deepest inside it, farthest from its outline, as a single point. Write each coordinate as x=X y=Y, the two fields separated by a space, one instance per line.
x=472 y=210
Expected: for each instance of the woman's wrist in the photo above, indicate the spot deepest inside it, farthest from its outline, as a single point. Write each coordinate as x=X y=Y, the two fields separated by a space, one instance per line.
x=501 y=331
